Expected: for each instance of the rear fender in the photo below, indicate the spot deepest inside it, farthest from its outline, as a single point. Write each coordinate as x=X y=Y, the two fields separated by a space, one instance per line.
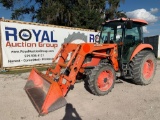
x=139 y=48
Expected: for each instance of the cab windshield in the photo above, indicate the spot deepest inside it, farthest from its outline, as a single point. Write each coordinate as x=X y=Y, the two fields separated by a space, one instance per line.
x=115 y=31
x=112 y=30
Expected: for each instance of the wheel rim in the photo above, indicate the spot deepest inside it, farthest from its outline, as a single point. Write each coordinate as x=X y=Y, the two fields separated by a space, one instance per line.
x=105 y=80
x=148 y=69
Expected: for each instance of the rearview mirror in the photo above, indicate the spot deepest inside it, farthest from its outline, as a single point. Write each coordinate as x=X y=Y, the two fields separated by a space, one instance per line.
x=129 y=24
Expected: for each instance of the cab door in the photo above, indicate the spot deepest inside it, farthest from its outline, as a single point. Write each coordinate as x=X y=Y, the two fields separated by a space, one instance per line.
x=132 y=38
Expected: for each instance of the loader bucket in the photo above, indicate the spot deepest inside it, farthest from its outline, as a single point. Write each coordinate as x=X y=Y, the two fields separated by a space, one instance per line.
x=44 y=92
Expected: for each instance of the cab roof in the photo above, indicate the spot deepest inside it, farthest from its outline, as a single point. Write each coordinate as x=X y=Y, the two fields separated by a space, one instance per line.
x=139 y=21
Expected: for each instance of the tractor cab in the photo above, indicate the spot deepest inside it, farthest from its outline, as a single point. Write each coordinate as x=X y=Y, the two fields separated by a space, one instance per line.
x=126 y=33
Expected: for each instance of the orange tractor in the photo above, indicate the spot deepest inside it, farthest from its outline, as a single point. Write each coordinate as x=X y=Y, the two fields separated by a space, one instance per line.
x=119 y=53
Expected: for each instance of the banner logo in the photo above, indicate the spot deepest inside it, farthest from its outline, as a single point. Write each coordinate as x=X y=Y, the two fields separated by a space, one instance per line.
x=25 y=34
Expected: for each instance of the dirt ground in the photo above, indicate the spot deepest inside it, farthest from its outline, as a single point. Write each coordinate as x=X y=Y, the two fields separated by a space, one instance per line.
x=126 y=102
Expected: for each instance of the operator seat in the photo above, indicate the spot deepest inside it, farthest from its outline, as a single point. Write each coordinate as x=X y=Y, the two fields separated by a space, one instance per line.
x=129 y=39
x=129 y=45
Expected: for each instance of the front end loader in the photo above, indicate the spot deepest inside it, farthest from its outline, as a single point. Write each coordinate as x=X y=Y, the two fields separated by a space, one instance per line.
x=47 y=91
x=119 y=53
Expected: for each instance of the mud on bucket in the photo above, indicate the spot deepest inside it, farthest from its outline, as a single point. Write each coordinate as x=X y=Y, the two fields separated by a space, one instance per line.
x=44 y=93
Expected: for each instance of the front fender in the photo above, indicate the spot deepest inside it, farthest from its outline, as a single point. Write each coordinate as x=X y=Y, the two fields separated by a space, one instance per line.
x=139 y=48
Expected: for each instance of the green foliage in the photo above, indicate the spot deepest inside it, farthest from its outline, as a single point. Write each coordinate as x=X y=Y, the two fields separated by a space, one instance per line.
x=7 y=3
x=73 y=13
x=112 y=10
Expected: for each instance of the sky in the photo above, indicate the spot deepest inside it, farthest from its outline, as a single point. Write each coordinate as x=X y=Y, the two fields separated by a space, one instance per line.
x=148 y=10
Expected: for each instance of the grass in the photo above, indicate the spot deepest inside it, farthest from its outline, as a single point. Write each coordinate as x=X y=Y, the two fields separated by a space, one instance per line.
x=25 y=70
x=22 y=70
x=158 y=58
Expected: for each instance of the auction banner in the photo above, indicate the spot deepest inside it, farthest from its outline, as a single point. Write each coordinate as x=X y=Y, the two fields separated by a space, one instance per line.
x=24 y=44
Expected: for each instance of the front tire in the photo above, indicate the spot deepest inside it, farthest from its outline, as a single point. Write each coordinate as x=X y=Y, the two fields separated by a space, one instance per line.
x=143 y=67
x=101 y=79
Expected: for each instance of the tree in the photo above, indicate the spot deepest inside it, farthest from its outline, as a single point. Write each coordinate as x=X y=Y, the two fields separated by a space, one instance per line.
x=112 y=10
x=73 y=13
x=20 y=8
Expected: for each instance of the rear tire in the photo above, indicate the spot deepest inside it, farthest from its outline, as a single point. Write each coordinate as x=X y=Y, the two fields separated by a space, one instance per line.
x=101 y=79
x=143 y=67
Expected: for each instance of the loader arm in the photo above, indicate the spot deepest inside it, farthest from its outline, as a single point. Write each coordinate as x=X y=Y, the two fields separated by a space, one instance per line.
x=79 y=51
